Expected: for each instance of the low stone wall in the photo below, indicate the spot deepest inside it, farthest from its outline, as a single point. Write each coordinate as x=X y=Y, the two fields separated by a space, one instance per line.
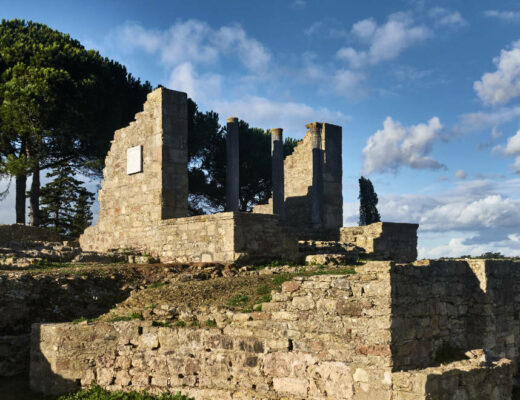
x=384 y=240
x=458 y=380
x=362 y=336
x=21 y=233
x=222 y=237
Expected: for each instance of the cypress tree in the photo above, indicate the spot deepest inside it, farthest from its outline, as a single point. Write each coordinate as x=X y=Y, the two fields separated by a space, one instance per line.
x=368 y=213
x=65 y=203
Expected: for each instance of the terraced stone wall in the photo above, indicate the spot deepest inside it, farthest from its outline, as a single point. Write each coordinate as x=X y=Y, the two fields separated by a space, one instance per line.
x=372 y=335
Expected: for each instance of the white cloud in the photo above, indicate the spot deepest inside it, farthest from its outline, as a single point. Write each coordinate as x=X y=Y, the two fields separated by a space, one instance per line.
x=314 y=28
x=347 y=83
x=504 y=84
x=201 y=88
x=447 y=18
x=265 y=113
x=507 y=16
x=512 y=149
x=474 y=217
x=385 y=42
x=396 y=145
x=299 y=3
x=192 y=41
x=461 y=174
x=477 y=121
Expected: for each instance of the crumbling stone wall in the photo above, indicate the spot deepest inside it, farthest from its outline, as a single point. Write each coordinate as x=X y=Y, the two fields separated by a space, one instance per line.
x=298 y=181
x=21 y=233
x=384 y=240
x=363 y=336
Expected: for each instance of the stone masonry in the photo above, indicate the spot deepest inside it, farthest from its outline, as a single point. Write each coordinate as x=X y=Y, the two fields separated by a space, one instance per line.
x=384 y=240
x=143 y=198
x=373 y=335
x=298 y=178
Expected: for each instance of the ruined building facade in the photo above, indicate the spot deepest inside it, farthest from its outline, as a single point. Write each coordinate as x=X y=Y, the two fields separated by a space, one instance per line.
x=143 y=196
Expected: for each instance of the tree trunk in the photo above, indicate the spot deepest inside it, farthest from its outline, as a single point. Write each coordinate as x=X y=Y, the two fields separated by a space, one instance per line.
x=21 y=183
x=34 y=196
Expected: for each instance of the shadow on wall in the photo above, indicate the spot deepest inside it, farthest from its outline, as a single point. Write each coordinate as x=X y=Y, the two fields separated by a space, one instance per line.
x=48 y=381
x=463 y=304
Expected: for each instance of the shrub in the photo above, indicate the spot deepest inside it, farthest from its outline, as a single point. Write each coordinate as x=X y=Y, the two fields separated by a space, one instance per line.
x=98 y=393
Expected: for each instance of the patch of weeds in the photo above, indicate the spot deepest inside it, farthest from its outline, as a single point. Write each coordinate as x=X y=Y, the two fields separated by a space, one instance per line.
x=239 y=300
x=447 y=353
x=263 y=289
x=97 y=393
x=180 y=324
x=130 y=317
x=161 y=324
x=247 y=309
x=195 y=324
x=210 y=323
x=156 y=285
x=257 y=307
x=278 y=280
x=266 y=298
x=84 y=319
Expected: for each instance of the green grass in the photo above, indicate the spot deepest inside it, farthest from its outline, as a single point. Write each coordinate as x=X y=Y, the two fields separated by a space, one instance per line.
x=129 y=317
x=161 y=324
x=239 y=300
x=156 y=285
x=211 y=323
x=180 y=324
x=263 y=289
x=97 y=393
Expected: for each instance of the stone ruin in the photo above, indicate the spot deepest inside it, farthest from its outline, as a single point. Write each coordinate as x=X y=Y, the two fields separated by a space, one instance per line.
x=144 y=206
x=397 y=329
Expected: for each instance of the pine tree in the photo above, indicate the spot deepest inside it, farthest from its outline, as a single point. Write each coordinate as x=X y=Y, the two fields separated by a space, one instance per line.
x=65 y=203
x=368 y=213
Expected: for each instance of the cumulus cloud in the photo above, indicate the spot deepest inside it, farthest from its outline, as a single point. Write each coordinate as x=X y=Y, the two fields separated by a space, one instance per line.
x=291 y=116
x=443 y=17
x=385 y=42
x=396 y=145
x=507 y=16
x=474 y=217
x=348 y=83
x=461 y=174
x=200 y=87
x=512 y=148
x=504 y=84
x=192 y=41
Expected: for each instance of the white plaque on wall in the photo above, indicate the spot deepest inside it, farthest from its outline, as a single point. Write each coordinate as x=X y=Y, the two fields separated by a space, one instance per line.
x=134 y=160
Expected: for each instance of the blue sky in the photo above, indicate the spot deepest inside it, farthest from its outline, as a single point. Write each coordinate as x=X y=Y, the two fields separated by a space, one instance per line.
x=427 y=92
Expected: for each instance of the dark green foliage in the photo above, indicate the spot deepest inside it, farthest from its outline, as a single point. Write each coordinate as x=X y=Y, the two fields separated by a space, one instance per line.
x=238 y=301
x=207 y=162
x=211 y=323
x=368 y=213
x=65 y=203
x=97 y=393
x=59 y=103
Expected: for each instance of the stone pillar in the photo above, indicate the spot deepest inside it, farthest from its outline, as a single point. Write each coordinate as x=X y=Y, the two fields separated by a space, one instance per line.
x=317 y=174
x=232 y=168
x=277 y=172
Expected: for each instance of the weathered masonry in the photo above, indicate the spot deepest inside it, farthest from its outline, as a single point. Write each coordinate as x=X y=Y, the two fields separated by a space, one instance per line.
x=143 y=198
x=374 y=335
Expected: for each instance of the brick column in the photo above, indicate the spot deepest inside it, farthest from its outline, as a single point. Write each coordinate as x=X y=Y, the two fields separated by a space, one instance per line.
x=277 y=172
x=317 y=174
x=232 y=167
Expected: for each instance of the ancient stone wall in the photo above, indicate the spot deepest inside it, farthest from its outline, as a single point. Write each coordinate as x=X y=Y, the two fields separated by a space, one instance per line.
x=219 y=237
x=366 y=336
x=298 y=178
x=384 y=240
x=21 y=233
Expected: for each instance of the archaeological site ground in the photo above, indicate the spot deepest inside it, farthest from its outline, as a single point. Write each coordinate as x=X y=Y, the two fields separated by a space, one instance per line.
x=280 y=303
